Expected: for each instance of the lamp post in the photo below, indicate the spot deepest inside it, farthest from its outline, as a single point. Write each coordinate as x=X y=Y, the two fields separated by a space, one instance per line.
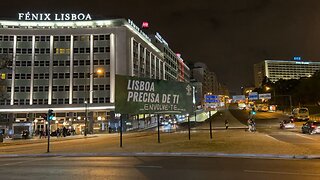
x=118 y=115
x=274 y=93
x=189 y=126
x=87 y=99
x=274 y=97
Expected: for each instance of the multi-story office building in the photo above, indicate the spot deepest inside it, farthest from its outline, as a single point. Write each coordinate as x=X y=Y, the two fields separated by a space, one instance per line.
x=280 y=69
x=57 y=65
x=175 y=67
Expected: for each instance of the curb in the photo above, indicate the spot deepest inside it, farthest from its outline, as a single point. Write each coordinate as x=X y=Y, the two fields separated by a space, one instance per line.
x=162 y=154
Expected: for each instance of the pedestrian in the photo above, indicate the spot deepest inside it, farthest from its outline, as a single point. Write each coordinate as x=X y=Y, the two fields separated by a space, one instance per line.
x=226 y=123
x=249 y=122
x=64 y=131
x=40 y=134
x=58 y=132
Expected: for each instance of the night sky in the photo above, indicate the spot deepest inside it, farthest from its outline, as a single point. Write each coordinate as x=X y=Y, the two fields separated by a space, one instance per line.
x=228 y=35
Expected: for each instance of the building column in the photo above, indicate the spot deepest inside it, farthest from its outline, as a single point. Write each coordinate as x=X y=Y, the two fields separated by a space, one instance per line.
x=113 y=66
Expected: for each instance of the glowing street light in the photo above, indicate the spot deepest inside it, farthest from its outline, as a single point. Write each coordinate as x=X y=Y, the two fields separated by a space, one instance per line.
x=98 y=71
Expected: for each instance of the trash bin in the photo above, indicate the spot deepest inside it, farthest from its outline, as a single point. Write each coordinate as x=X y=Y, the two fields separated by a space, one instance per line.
x=1 y=138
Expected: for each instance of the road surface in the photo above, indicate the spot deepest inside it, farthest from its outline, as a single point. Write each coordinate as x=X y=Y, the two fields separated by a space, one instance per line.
x=157 y=168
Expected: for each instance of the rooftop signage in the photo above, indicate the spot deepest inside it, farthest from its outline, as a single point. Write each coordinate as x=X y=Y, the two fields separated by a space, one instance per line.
x=297 y=58
x=54 y=17
x=138 y=29
x=160 y=39
x=302 y=62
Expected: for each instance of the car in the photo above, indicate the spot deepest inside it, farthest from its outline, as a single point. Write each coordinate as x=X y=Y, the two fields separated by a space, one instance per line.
x=311 y=127
x=300 y=114
x=287 y=124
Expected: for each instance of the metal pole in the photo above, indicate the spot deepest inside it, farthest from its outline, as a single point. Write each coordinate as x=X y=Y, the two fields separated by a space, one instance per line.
x=86 y=117
x=210 y=125
x=138 y=121
x=48 y=132
x=195 y=115
x=158 y=120
x=274 y=94
x=86 y=104
x=189 y=127
x=121 y=130
x=290 y=101
x=144 y=120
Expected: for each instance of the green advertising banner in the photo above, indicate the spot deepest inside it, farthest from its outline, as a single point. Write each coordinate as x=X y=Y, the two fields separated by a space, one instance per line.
x=140 y=95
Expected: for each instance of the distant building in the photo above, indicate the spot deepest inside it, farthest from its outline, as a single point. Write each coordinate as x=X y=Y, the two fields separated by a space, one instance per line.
x=209 y=81
x=281 y=69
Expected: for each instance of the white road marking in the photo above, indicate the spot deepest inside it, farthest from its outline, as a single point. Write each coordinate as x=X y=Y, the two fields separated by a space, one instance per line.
x=304 y=136
x=26 y=161
x=283 y=173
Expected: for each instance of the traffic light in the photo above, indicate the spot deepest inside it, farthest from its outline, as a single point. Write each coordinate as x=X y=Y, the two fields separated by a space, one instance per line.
x=50 y=115
x=254 y=112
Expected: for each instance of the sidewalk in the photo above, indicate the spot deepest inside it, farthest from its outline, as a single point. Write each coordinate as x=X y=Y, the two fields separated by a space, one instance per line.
x=36 y=139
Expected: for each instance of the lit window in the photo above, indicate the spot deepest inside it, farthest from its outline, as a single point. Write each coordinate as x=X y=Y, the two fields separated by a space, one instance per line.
x=3 y=76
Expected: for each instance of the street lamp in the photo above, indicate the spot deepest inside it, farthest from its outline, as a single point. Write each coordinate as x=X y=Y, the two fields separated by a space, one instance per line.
x=274 y=93
x=87 y=99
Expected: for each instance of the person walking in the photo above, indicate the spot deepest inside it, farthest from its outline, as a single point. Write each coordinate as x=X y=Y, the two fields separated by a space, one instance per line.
x=58 y=132
x=226 y=123
x=64 y=131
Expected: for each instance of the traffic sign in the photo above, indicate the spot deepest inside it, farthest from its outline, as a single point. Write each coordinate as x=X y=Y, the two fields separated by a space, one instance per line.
x=211 y=98
x=265 y=96
x=253 y=96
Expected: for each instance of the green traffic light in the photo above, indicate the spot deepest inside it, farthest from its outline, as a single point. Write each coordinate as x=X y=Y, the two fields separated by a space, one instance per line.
x=50 y=114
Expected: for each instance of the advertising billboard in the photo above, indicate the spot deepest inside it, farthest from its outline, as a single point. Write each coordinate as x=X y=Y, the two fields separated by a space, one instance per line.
x=141 y=95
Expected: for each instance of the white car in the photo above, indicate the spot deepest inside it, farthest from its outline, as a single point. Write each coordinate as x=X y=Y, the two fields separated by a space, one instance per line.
x=287 y=124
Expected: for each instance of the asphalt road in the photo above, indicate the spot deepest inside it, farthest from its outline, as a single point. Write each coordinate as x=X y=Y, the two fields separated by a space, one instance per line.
x=157 y=168
x=268 y=123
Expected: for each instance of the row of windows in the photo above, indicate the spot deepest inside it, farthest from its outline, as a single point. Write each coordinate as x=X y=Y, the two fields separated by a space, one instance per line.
x=55 y=50
x=61 y=63
x=58 y=75
x=100 y=87
x=54 y=101
x=55 y=38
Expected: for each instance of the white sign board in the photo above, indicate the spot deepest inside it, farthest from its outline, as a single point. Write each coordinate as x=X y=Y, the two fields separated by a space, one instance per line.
x=239 y=97
x=54 y=17
x=265 y=96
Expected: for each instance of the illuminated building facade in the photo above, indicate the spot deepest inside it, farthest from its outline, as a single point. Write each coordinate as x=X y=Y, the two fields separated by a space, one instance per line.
x=55 y=64
x=280 y=69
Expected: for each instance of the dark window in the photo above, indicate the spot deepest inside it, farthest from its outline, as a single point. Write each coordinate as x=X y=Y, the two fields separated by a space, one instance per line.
x=61 y=75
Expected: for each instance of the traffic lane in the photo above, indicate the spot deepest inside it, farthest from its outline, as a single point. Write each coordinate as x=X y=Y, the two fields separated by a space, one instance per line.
x=292 y=136
x=261 y=118
x=157 y=168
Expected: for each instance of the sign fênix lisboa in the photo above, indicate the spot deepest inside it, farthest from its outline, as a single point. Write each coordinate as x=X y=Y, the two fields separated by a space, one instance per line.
x=140 y=95
x=54 y=17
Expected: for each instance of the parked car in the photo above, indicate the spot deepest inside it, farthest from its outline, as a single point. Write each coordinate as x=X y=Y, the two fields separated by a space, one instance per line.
x=311 y=127
x=287 y=124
